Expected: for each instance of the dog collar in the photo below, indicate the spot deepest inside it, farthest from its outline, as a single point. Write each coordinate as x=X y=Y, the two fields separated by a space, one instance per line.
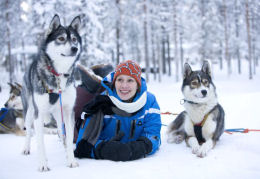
x=51 y=69
x=187 y=101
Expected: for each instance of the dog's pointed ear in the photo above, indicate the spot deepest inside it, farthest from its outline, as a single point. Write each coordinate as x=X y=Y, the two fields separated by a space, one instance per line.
x=187 y=70
x=75 y=23
x=10 y=84
x=18 y=85
x=206 y=68
x=55 y=23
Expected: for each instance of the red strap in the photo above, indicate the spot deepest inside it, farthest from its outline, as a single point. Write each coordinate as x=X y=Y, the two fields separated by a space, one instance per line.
x=53 y=71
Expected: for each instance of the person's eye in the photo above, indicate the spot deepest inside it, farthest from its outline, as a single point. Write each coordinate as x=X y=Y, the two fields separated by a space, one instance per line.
x=119 y=80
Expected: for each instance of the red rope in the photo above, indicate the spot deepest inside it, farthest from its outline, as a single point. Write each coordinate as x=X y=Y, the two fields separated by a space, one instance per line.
x=168 y=113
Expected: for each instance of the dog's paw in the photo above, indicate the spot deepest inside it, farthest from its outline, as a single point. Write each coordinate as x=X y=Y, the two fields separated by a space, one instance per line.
x=73 y=164
x=26 y=152
x=177 y=139
x=43 y=168
x=201 y=153
x=195 y=149
x=204 y=149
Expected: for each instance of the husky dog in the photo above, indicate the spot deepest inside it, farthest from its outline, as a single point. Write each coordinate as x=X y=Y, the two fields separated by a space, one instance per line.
x=15 y=106
x=13 y=121
x=49 y=87
x=15 y=100
x=202 y=122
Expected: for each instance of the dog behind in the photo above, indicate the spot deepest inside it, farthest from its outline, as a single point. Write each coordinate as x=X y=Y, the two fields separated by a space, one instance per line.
x=202 y=122
x=52 y=74
x=12 y=121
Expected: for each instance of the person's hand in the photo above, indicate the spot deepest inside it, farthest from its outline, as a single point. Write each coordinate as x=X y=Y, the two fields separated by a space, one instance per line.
x=102 y=102
x=117 y=151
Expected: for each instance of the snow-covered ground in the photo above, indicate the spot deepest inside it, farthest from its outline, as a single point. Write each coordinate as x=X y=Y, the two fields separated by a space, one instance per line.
x=235 y=156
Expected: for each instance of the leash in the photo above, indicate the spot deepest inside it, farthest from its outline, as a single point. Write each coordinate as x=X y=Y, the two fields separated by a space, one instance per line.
x=241 y=130
x=228 y=131
x=61 y=110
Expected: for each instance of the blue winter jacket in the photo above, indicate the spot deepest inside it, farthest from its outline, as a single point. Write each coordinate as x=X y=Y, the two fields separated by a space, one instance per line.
x=146 y=120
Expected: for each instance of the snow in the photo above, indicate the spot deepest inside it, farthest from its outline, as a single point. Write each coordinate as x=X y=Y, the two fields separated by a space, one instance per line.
x=235 y=156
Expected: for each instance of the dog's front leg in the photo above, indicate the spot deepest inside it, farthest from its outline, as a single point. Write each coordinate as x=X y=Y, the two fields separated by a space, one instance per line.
x=38 y=124
x=205 y=148
x=193 y=143
x=69 y=125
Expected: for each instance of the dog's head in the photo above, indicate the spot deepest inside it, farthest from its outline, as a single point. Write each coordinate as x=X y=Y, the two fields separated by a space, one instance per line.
x=63 y=42
x=14 y=100
x=197 y=85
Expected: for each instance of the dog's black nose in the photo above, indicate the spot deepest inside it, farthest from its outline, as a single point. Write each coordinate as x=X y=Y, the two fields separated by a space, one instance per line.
x=74 y=50
x=6 y=105
x=204 y=92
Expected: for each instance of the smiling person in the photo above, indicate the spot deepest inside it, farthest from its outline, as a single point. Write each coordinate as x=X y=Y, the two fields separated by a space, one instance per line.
x=124 y=123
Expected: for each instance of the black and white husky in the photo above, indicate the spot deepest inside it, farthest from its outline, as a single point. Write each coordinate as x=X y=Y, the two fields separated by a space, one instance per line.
x=51 y=74
x=202 y=122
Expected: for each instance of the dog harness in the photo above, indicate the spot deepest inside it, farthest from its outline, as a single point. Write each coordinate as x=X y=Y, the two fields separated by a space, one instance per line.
x=4 y=110
x=198 y=127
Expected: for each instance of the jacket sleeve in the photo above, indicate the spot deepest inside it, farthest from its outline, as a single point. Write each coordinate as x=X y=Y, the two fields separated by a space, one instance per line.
x=152 y=123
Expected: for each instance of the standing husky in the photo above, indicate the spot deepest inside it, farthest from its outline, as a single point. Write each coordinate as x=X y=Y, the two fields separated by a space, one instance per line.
x=202 y=122
x=52 y=72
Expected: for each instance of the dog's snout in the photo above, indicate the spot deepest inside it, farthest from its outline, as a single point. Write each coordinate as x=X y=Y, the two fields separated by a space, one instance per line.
x=6 y=105
x=204 y=92
x=74 y=50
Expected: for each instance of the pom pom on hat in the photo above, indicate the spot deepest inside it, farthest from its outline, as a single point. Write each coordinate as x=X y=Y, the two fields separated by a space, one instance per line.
x=129 y=68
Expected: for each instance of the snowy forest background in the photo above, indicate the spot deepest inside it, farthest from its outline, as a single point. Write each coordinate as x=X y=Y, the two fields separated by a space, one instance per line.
x=159 y=34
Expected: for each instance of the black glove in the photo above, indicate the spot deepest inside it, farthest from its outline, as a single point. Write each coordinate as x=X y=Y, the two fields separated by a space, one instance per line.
x=117 y=151
x=102 y=102
x=83 y=149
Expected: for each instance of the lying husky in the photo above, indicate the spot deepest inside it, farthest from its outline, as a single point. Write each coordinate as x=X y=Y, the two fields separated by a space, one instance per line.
x=12 y=121
x=202 y=122
x=51 y=74
x=15 y=108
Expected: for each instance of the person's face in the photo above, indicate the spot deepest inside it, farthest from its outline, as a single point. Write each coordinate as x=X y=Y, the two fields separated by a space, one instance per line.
x=126 y=87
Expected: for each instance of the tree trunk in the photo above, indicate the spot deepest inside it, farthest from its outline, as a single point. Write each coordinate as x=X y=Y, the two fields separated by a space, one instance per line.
x=226 y=38
x=159 y=56
x=118 y=33
x=248 y=40
x=168 y=56
x=9 y=44
x=181 y=48
x=146 y=52
x=153 y=54
x=175 y=40
x=237 y=38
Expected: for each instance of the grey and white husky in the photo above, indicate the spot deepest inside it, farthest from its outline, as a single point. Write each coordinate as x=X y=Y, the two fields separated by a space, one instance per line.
x=202 y=122
x=51 y=74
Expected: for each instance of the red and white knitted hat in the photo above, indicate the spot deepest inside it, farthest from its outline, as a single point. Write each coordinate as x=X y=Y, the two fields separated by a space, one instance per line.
x=129 y=68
